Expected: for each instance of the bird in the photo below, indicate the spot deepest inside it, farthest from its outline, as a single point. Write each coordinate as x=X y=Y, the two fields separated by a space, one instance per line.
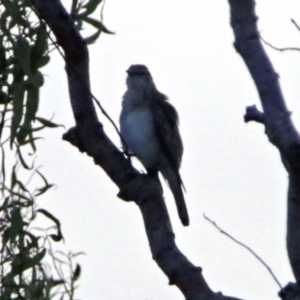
x=149 y=127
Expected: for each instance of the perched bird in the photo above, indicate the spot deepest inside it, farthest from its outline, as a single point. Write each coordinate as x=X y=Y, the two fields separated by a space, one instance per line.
x=149 y=128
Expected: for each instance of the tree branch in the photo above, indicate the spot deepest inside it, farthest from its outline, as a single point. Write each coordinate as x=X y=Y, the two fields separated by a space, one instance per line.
x=246 y=247
x=294 y=22
x=278 y=124
x=89 y=137
x=253 y=114
x=280 y=49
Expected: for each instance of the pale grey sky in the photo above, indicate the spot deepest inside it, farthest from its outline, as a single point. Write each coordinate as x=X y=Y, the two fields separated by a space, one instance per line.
x=230 y=170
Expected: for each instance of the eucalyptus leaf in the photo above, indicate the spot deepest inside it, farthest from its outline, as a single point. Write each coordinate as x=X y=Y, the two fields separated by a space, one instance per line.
x=43 y=190
x=13 y=177
x=47 y=123
x=59 y=235
x=22 y=52
x=43 y=61
x=3 y=98
x=90 y=7
x=36 y=78
x=39 y=48
x=22 y=160
x=18 y=92
x=32 y=102
x=3 y=63
x=97 y=24
x=30 y=262
x=16 y=224
x=91 y=39
x=22 y=186
x=76 y=273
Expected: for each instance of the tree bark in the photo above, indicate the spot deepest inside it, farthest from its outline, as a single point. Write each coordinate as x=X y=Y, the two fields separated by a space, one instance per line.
x=275 y=116
x=88 y=136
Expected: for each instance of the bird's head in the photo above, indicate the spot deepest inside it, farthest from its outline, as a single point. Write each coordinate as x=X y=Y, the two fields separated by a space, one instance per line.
x=139 y=78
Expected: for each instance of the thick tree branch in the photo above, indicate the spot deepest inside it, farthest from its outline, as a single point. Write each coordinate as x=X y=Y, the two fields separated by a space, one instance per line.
x=278 y=124
x=89 y=137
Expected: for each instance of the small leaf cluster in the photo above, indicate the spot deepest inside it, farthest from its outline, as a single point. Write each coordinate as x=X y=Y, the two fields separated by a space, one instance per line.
x=23 y=52
x=24 y=273
x=82 y=12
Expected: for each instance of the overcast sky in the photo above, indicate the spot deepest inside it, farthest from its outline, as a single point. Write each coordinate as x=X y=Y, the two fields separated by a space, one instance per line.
x=230 y=170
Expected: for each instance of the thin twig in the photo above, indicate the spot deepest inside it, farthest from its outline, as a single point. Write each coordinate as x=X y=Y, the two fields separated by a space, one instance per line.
x=101 y=12
x=125 y=148
x=113 y=123
x=294 y=22
x=280 y=49
x=58 y=270
x=245 y=246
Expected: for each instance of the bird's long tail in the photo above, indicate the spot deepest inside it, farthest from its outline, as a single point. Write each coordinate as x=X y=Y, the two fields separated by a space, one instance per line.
x=174 y=180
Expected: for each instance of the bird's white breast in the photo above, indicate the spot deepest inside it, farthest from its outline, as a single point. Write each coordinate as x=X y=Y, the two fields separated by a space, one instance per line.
x=137 y=129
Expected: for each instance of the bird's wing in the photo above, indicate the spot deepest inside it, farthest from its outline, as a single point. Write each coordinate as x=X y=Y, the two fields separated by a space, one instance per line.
x=166 y=128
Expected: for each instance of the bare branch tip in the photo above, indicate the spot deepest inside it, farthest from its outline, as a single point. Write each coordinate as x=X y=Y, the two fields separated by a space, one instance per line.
x=278 y=48
x=295 y=23
x=253 y=114
x=246 y=247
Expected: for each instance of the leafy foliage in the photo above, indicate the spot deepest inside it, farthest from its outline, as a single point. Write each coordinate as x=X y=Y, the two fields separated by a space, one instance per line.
x=29 y=267
x=24 y=272
x=82 y=14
